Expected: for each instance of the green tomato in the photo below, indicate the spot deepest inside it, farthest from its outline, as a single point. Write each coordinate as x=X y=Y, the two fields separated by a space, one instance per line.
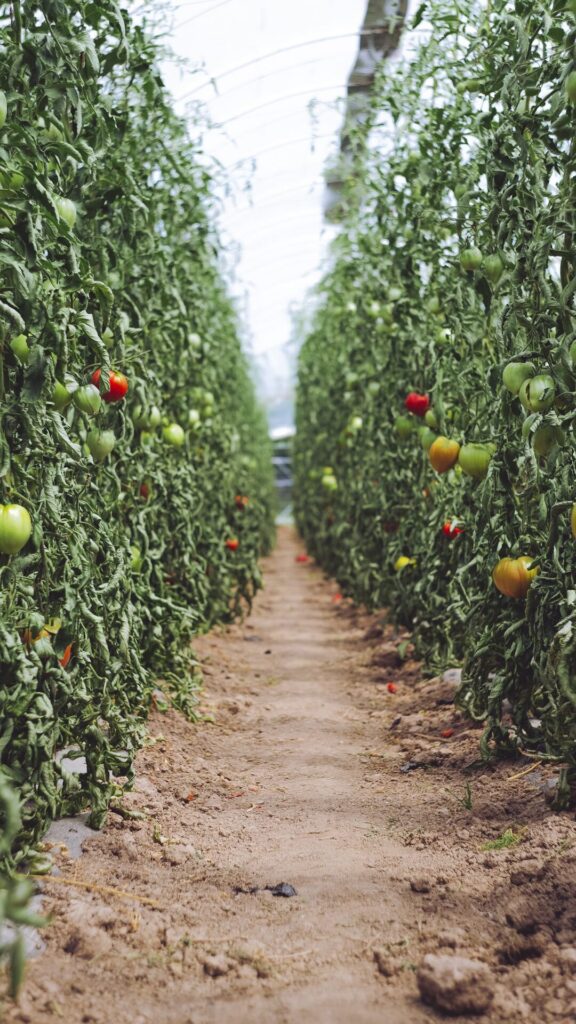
x=87 y=399
x=3 y=109
x=146 y=438
x=469 y=85
x=460 y=190
x=570 y=87
x=427 y=437
x=514 y=375
x=355 y=424
x=430 y=419
x=538 y=394
x=100 y=443
x=194 y=418
x=20 y=348
x=328 y=471
x=547 y=437
x=194 y=341
x=108 y=338
x=136 y=559
x=433 y=305
x=62 y=395
x=471 y=259
x=329 y=482
x=395 y=294
x=174 y=435
x=493 y=268
x=404 y=427
x=15 y=528
x=474 y=460
x=155 y=417
x=374 y=387
x=66 y=210
x=139 y=418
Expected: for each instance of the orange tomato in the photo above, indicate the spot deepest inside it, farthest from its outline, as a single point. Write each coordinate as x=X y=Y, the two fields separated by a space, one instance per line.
x=443 y=454
x=512 y=576
x=65 y=659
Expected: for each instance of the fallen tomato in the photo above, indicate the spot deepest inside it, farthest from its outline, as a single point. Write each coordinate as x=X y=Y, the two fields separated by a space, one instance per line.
x=392 y=688
x=118 y=385
x=416 y=403
x=447 y=733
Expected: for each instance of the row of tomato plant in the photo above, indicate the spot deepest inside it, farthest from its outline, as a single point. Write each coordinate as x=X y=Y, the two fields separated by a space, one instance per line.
x=135 y=479
x=435 y=453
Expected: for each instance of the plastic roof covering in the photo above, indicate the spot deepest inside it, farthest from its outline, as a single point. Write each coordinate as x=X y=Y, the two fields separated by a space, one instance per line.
x=274 y=83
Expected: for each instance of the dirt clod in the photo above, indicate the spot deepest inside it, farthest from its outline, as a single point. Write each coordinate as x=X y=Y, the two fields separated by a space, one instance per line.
x=455 y=985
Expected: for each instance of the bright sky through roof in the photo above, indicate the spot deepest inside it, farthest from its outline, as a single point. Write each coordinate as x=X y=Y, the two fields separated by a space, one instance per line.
x=278 y=68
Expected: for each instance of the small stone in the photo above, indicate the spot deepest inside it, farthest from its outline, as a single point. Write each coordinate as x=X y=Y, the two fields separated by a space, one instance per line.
x=455 y=984
x=215 y=966
x=420 y=885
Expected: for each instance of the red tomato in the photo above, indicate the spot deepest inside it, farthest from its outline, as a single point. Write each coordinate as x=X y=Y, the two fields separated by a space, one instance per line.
x=233 y=544
x=449 y=530
x=118 y=385
x=417 y=404
x=392 y=688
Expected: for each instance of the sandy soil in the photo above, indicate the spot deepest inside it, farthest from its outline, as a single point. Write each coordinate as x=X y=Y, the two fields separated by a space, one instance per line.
x=308 y=770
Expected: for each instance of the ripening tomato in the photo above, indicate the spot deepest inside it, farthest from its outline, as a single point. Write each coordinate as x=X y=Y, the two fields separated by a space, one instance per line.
x=241 y=501
x=233 y=544
x=513 y=577
x=417 y=404
x=471 y=259
x=474 y=460
x=118 y=385
x=514 y=375
x=87 y=399
x=537 y=394
x=15 y=528
x=573 y=520
x=65 y=659
x=443 y=454
x=402 y=562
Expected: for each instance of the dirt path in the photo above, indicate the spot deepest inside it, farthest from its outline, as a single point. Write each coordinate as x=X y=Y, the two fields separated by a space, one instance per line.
x=314 y=774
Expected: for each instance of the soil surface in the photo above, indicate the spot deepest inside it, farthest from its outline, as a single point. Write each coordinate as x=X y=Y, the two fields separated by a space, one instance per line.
x=324 y=760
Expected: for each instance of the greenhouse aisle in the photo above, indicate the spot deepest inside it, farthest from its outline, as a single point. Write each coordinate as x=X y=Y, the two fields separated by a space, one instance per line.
x=305 y=772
